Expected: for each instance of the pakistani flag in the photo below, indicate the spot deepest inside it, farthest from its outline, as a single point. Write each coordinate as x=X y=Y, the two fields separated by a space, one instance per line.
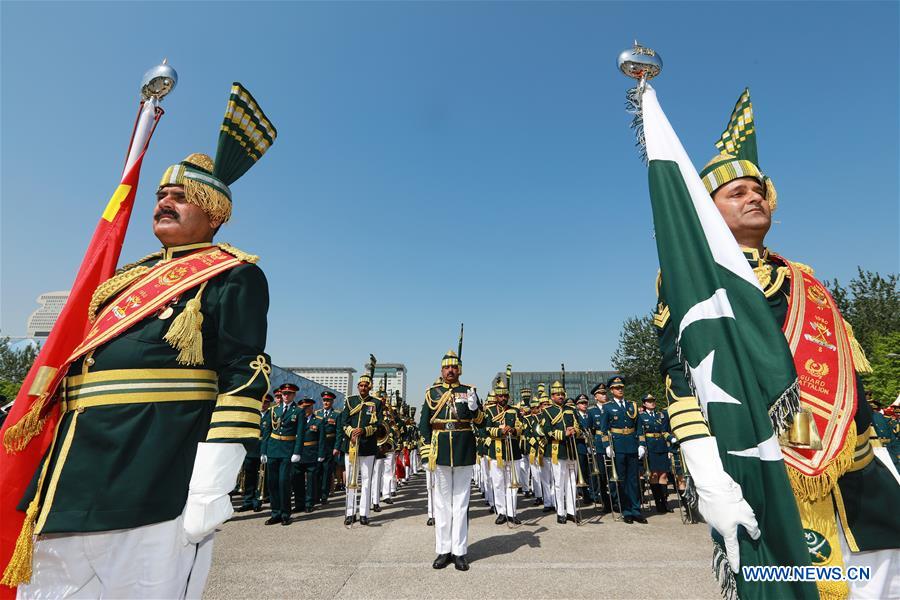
x=735 y=354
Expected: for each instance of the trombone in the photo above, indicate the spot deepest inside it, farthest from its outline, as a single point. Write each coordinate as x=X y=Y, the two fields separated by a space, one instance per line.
x=572 y=450
x=261 y=481
x=612 y=476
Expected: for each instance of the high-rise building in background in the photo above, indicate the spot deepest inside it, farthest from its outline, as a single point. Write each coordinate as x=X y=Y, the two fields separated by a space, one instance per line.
x=339 y=379
x=42 y=320
x=396 y=378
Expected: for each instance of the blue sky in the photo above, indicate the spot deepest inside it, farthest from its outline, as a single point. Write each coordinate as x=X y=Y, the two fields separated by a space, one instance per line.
x=445 y=162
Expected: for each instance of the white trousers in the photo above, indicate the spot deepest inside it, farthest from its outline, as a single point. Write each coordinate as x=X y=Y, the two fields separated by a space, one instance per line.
x=451 y=505
x=564 y=486
x=522 y=472
x=504 y=497
x=153 y=561
x=388 y=484
x=377 y=479
x=428 y=478
x=414 y=461
x=487 y=486
x=547 y=483
x=884 y=565
x=536 y=485
x=366 y=468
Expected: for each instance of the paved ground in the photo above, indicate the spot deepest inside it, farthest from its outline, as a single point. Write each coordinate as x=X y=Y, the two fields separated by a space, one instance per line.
x=317 y=557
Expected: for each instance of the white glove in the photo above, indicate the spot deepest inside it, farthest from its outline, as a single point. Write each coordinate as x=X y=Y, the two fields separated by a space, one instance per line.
x=641 y=452
x=721 y=501
x=472 y=399
x=263 y=459
x=295 y=458
x=215 y=472
x=321 y=459
x=609 y=452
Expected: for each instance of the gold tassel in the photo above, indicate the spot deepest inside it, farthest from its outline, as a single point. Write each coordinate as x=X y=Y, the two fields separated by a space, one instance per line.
x=214 y=203
x=812 y=489
x=860 y=361
x=237 y=253
x=19 y=568
x=28 y=427
x=186 y=334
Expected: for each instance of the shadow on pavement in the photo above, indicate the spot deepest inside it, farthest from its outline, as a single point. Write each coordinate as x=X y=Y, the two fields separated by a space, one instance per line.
x=504 y=544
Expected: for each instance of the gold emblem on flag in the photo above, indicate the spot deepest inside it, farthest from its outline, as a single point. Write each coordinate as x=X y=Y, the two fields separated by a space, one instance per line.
x=816 y=369
x=817 y=295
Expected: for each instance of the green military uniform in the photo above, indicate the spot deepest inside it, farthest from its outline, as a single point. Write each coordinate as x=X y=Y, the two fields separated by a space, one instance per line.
x=366 y=414
x=306 y=481
x=282 y=440
x=330 y=425
x=251 y=495
x=122 y=486
x=450 y=414
x=560 y=452
x=886 y=437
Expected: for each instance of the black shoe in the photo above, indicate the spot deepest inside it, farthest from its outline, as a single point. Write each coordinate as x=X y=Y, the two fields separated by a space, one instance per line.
x=628 y=520
x=257 y=508
x=561 y=520
x=460 y=563
x=393 y=495
x=273 y=520
x=430 y=522
x=388 y=501
x=549 y=509
x=500 y=520
x=538 y=501
x=377 y=508
x=286 y=521
x=242 y=508
x=309 y=510
x=348 y=521
x=364 y=520
x=516 y=521
x=641 y=520
x=441 y=561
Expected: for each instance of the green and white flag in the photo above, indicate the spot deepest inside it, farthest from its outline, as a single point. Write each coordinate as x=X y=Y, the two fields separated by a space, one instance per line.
x=735 y=354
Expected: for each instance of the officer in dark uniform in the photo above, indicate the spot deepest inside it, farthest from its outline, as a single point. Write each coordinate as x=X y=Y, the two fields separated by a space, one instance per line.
x=619 y=428
x=655 y=427
x=885 y=436
x=312 y=453
x=331 y=453
x=600 y=483
x=281 y=446
x=251 y=498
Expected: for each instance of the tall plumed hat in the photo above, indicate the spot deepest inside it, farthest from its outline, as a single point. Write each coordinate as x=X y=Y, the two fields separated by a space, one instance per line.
x=738 y=156
x=500 y=388
x=246 y=134
x=557 y=388
x=451 y=358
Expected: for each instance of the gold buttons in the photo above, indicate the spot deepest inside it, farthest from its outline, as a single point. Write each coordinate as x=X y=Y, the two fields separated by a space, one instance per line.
x=89 y=361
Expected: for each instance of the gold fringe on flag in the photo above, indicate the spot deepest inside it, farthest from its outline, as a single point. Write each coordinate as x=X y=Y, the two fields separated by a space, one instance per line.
x=186 y=334
x=812 y=489
x=860 y=361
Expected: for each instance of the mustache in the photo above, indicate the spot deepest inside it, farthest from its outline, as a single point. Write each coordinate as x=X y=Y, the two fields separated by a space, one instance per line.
x=165 y=212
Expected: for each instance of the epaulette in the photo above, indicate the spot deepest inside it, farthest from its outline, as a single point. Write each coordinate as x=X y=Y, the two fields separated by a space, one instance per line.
x=238 y=254
x=124 y=277
x=805 y=268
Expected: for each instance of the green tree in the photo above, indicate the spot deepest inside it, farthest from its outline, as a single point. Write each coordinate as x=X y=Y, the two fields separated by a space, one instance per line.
x=638 y=358
x=884 y=381
x=871 y=304
x=14 y=366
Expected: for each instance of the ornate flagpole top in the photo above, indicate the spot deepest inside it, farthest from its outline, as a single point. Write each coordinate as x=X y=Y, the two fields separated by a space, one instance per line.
x=158 y=81
x=640 y=62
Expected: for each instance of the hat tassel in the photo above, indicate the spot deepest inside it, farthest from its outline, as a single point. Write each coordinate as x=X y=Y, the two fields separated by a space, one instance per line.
x=186 y=333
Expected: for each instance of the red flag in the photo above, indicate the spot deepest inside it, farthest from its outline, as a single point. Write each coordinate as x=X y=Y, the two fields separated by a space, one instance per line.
x=17 y=467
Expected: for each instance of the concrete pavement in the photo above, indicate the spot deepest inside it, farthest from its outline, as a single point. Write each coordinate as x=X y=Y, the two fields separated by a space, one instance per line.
x=317 y=557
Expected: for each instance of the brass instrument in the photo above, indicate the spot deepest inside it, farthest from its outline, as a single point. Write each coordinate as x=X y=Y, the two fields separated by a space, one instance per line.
x=612 y=476
x=261 y=480
x=242 y=481
x=644 y=483
x=572 y=450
